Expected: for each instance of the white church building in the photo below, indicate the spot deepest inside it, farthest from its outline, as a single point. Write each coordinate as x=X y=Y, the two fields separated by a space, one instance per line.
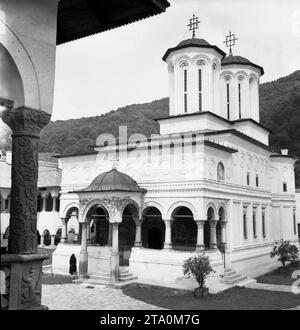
x=209 y=182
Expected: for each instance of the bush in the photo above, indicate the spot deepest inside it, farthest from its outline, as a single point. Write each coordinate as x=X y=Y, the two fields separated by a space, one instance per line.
x=286 y=252
x=198 y=267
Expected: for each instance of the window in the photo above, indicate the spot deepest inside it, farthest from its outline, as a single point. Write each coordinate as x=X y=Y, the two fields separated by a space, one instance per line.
x=185 y=89
x=257 y=180
x=248 y=179
x=284 y=187
x=228 y=100
x=263 y=219
x=220 y=172
x=245 y=223
x=240 y=102
x=200 y=88
x=254 y=222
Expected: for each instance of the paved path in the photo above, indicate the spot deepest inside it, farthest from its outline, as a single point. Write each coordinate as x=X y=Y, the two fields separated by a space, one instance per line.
x=78 y=297
x=270 y=287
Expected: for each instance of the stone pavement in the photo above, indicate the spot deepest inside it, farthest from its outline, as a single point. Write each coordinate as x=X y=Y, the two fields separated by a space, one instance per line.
x=270 y=287
x=79 y=297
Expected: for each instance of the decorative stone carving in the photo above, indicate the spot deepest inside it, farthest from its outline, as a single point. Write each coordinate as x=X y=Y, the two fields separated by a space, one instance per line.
x=26 y=125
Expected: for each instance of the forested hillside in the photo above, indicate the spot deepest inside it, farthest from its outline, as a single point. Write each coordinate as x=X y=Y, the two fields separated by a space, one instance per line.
x=279 y=110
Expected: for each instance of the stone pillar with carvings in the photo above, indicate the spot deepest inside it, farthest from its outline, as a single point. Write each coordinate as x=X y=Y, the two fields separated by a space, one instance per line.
x=23 y=263
x=213 y=234
x=168 y=238
x=114 y=259
x=138 y=233
x=200 y=235
x=64 y=231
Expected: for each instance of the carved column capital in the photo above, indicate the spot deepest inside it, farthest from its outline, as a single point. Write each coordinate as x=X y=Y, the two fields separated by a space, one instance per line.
x=26 y=121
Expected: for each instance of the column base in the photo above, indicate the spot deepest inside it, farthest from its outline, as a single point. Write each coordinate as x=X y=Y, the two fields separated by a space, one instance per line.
x=168 y=246
x=23 y=277
x=200 y=248
x=138 y=244
x=213 y=246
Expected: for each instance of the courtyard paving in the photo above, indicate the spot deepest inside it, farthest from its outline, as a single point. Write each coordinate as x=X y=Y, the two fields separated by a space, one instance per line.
x=97 y=297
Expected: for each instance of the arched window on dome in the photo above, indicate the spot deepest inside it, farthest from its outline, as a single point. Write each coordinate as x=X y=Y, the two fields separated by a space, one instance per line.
x=252 y=95
x=215 y=78
x=228 y=105
x=184 y=67
x=200 y=65
x=240 y=96
x=220 y=172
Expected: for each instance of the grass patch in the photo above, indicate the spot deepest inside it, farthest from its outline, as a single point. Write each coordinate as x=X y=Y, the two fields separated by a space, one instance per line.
x=279 y=276
x=231 y=299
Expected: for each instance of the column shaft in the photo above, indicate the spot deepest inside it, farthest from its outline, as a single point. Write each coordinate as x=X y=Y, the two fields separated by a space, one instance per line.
x=114 y=260
x=83 y=259
x=168 y=233
x=200 y=235
x=213 y=234
x=64 y=232
x=138 y=233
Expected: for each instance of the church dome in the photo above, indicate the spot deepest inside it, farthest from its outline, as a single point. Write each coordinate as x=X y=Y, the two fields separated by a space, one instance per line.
x=113 y=180
x=239 y=60
x=193 y=42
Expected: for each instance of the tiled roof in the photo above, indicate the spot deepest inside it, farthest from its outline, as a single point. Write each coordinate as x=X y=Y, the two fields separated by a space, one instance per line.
x=240 y=60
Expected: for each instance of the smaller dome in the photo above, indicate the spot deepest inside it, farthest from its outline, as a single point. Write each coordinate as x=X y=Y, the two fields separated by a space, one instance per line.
x=193 y=41
x=240 y=60
x=113 y=180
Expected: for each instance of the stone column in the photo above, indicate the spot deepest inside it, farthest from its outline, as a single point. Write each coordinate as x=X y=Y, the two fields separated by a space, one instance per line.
x=83 y=259
x=64 y=231
x=138 y=233
x=44 y=201
x=114 y=259
x=53 y=203
x=53 y=240
x=213 y=234
x=42 y=241
x=200 y=235
x=109 y=243
x=223 y=231
x=168 y=238
x=23 y=263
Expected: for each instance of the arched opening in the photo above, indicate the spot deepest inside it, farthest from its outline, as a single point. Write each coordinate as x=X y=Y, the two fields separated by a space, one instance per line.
x=99 y=217
x=220 y=172
x=72 y=223
x=153 y=229
x=49 y=203
x=11 y=85
x=57 y=236
x=127 y=233
x=184 y=229
x=47 y=237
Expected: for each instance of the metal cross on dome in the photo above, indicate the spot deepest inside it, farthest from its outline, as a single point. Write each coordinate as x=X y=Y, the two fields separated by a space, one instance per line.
x=194 y=24
x=230 y=41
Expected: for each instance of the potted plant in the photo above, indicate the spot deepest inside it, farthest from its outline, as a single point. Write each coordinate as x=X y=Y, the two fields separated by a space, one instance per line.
x=199 y=268
x=285 y=251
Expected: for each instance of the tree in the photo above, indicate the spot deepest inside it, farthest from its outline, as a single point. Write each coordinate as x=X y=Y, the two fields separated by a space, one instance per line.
x=198 y=267
x=285 y=251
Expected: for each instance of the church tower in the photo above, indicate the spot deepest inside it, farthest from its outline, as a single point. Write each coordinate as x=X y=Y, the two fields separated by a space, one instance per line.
x=212 y=91
x=194 y=66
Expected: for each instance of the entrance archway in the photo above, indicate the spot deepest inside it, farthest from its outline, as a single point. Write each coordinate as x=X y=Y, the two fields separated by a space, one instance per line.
x=184 y=229
x=100 y=225
x=153 y=229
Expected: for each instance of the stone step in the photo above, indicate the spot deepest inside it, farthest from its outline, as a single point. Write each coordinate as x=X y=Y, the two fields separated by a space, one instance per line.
x=231 y=272
x=246 y=282
x=237 y=280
